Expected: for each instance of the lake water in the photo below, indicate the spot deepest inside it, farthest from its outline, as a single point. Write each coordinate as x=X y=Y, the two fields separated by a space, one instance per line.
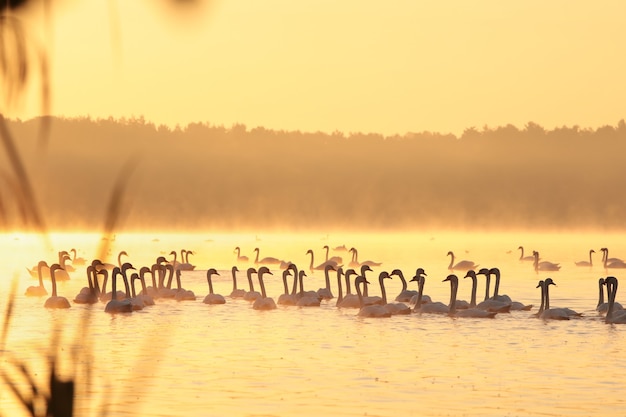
x=189 y=358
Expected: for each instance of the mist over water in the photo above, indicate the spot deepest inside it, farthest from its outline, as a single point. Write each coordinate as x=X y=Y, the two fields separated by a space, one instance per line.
x=190 y=358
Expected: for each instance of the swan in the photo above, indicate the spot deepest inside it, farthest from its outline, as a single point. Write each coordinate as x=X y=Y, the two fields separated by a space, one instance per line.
x=350 y=300
x=144 y=295
x=393 y=308
x=185 y=265
x=614 y=263
x=181 y=293
x=368 y=300
x=544 y=265
x=603 y=307
x=355 y=260
x=405 y=295
x=89 y=294
x=373 y=310
x=325 y=293
x=306 y=298
x=338 y=260
x=55 y=301
x=428 y=308
x=212 y=298
x=76 y=260
x=267 y=260
x=586 y=263
x=553 y=313
x=239 y=257
x=461 y=265
x=264 y=302
x=468 y=312
x=613 y=316
x=65 y=256
x=252 y=294
x=120 y=295
x=287 y=298
x=35 y=271
x=515 y=305
x=525 y=258
x=39 y=290
x=166 y=290
x=150 y=290
x=236 y=292
x=136 y=302
x=488 y=303
x=117 y=306
x=341 y=248
x=424 y=299
x=119 y=262
x=339 y=289
x=321 y=266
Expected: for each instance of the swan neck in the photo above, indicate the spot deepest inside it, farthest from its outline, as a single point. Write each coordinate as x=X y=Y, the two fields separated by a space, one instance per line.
x=339 y=289
x=263 y=294
x=487 y=284
x=383 y=292
x=404 y=284
x=358 y=292
x=53 y=278
x=601 y=293
x=234 y=280
x=451 y=260
x=208 y=278
x=474 y=288
x=250 y=281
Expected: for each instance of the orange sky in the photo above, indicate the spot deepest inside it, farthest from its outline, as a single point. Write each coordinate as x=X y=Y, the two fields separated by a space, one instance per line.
x=351 y=65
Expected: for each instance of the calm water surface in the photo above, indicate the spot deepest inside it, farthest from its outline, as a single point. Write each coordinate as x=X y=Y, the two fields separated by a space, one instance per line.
x=188 y=358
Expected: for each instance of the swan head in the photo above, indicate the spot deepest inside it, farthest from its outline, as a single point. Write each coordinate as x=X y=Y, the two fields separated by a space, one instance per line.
x=396 y=272
x=384 y=275
x=42 y=264
x=325 y=247
x=55 y=267
x=161 y=259
x=450 y=253
x=483 y=271
x=286 y=273
x=211 y=271
x=420 y=271
x=309 y=251
x=540 y=284
x=350 y=272
x=495 y=271
x=251 y=271
x=339 y=271
x=452 y=278
x=328 y=267
x=472 y=274
x=365 y=268
x=549 y=281
x=264 y=270
x=234 y=269
x=294 y=267
x=144 y=270
x=302 y=274
x=601 y=281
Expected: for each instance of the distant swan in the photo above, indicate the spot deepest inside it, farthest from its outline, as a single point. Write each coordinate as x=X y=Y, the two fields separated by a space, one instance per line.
x=614 y=263
x=185 y=265
x=355 y=260
x=544 y=265
x=55 y=301
x=586 y=263
x=77 y=260
x=336 y=259
x=471 y=312
x=374 y=310
x=239 y=257
x=39 y=290
x=613 y=316
x=321 y=266
x=267 y=260
x=525 y=258
x=605 y=256
x=119 y=262
x=264 y=302
x=461 y=265
x=211 y=297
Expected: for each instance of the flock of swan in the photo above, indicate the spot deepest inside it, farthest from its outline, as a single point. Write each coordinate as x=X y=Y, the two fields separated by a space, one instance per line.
x=156 y=282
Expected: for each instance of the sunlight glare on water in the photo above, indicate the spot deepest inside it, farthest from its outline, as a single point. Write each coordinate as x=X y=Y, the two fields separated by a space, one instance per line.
x=189 y=358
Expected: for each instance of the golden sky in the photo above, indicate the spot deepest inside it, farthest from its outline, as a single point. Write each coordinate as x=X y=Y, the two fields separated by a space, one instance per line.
x=350 y=65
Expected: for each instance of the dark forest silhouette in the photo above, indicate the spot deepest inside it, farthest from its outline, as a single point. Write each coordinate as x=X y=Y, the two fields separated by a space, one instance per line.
x=204 y=177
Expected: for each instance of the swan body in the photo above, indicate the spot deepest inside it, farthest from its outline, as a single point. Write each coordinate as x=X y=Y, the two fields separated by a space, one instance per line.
x=469 y=312
x=461 y=265
x=55 y=301
x=586 y=263
x=525 y=258
x=211 y=297
x=544 y=265
x=613 y=316
x=39 y=290
x=374 y=310
x=264 y=302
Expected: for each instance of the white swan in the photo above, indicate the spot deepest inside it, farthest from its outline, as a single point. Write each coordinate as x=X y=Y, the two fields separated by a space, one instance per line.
x=373 y=310
x=89 y=294
x=264 y=302
x=306 y=298
x=405 y=294
x=338 y=260
x=55 y=301
x=586 y=263
x=421 y=298
x=267 y=261
x=117 y=306
x=77 y=260
x=436 y=307
x=325 y=293
x=355 y=260
x=110 y=266
x=63 y=257
x=613 y=316
x=350 y=300
x=503 y=298
x=461 y=265
x=288 y=298
x=547 y=313
x=544 y=265
x=240 y=258
x=525 y=258
x=143 y=296
x=39 y=290
x=603 y=307
x=393 y=308
x=321 y=266
x=251 y=295
x=468 y=312
x=183 y=294
x=35 y=270
x=185 y=265
x=614 y=263
x=211 y=297
x=236 y=292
